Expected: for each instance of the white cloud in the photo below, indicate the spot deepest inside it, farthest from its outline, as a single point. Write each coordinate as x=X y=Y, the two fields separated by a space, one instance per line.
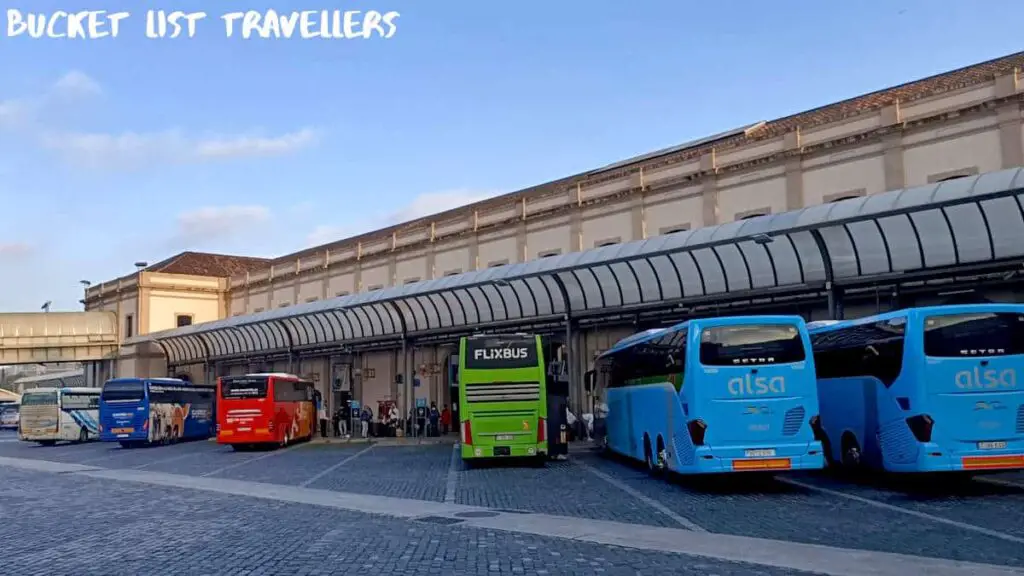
x=14 y=250
x=218 y=222
x=236 y=146
x=77 y=83
x=421 y=206
x=133 y=149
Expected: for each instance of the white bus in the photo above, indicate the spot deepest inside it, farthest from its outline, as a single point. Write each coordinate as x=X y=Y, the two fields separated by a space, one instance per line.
x=49 y=415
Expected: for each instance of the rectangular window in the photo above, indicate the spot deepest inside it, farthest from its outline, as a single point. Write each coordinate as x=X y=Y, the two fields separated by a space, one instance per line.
x=751 y=344
x=500 y=352
x=375 y=287
x=284 y=304
x=976 y=334
x=408 y=281
x=257 y=310
x=129 y=325
x=455 y=272
x=607 y=242
x=340 y=294
x=236 y=388
x=311 y=299
x=39 y=399
x=497 y=263
x=183 y=320
x=123 y=392
x=549 y=253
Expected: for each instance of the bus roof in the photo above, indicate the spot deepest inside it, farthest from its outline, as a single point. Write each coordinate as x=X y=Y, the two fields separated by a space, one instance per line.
x=158 y=380
x=648 y=335
x=265 y=375
x=816 y=328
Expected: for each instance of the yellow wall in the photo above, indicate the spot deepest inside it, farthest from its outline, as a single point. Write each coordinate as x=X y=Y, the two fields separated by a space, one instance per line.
x=166 y=296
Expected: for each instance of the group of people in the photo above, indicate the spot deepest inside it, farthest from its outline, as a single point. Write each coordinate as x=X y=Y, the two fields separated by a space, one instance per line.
x=429 y=422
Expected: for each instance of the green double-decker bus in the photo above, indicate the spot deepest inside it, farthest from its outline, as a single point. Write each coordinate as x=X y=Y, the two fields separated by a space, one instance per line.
x=503 y=397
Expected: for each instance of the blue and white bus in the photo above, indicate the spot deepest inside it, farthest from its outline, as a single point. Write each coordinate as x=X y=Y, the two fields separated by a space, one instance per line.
x=924 y=389
x=714 y=395
x=139 y=411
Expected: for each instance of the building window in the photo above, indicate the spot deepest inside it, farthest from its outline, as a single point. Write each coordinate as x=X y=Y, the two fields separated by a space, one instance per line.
x=497 y=263
x=455 y=272
x=183 y=320
x=284 y=304
x=342 y=293
x=375 y=287
x=953 y=175
x=129 y=325
x=411 y=280
x=673 y=229
x=847 y=195
x=257 y=310
x=607 y=242
x=311 y=299
x=549 y=253
x=755 y=213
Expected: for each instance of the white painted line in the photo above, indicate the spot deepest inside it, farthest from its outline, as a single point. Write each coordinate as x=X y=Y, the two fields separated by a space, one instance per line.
x=165 y=460
x=649 y=501
x=276 y=452
x=907 y=511
x=1000 y=482
x=344 y=461
x=45 y=465
x=453 y=476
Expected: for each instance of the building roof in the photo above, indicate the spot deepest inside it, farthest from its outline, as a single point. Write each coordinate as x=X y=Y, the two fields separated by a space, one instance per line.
x=207 y=264
x=867 y=103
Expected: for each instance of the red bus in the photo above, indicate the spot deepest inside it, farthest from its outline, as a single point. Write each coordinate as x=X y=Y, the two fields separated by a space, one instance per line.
x=264 y=409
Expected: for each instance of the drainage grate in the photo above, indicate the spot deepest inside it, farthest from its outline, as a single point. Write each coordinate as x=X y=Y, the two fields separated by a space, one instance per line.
x=438 y=520
x=477 y=514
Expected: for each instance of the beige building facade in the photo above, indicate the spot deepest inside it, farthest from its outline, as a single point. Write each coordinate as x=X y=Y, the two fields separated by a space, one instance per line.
x=956 y=124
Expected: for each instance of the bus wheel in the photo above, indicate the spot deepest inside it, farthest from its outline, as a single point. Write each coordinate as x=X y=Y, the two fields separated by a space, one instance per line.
x=661 y=456
x=648 y=454
x=851 y=456
x=83 y=435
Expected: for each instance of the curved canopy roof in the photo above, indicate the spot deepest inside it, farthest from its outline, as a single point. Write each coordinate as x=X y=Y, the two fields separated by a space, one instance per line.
x=978 y=219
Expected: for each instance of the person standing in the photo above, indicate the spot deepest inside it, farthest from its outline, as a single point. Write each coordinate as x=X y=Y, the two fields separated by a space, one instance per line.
x=446 y=420
x=364 y=421
x=435 y=416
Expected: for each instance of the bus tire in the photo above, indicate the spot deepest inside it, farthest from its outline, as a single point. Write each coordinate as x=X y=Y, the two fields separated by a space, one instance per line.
x=660 y=456
x=648 y=454
x=852 y=457
x=83 y=436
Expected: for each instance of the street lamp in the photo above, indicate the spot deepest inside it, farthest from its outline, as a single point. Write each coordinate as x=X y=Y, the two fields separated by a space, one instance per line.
x=46 y=306
x=141 y=264
x=85 y=283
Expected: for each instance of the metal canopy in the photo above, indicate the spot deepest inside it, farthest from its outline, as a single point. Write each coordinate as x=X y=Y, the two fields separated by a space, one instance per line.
x=971 y=220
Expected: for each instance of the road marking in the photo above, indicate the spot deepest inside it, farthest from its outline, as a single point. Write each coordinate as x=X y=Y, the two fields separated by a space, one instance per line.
x=646 y=500
x=907 y=511
x=344 y=461
x=251 y=460
x=453 y=475
x=164 y=460
x=1001 y=482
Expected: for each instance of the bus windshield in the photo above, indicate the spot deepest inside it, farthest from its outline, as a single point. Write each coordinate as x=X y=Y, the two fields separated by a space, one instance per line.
x=498 y=353
x=746 y=344
x=123 y=392
x=974 y=334
x=238 y=388
x=39 y=399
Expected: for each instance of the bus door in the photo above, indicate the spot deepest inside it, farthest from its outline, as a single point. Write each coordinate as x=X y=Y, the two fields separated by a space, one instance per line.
x=453 y=388
x=972 y=366
x=754 y=386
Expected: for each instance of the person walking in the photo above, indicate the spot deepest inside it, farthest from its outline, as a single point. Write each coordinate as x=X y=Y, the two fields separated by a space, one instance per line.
x=364 y=421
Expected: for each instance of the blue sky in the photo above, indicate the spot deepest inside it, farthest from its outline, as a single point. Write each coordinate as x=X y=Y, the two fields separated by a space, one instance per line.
x=126 y=149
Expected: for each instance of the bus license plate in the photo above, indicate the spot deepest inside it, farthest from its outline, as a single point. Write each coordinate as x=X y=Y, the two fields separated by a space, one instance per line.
x=991 y=445
x=760 y=453
x=503 y=437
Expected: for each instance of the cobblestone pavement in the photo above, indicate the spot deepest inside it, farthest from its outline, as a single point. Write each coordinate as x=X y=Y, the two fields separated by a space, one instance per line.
x=977 y=521
x=82 y=526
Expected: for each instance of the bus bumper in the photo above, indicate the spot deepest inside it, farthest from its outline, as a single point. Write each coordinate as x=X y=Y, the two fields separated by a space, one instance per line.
x=514 y=451
x=932 y=458
x=786 y=458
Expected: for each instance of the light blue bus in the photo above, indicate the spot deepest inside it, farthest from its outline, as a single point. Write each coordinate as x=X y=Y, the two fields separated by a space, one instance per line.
x=140 y=411
x=924 y=389
x=714 y=395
